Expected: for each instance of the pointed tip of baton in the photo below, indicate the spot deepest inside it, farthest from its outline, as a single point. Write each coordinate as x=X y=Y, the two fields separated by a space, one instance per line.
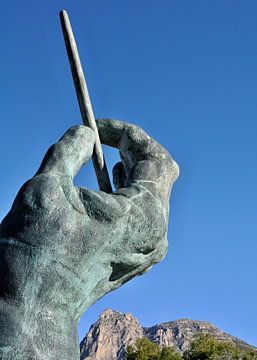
x=63 y=14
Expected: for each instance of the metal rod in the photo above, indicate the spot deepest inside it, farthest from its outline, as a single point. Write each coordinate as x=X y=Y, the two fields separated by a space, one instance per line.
x=85 y=105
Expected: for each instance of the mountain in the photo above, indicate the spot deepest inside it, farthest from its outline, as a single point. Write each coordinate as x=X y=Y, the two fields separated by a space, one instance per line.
x=108 y=338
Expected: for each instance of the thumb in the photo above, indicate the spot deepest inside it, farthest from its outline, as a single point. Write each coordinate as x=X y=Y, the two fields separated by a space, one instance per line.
x=68 y=155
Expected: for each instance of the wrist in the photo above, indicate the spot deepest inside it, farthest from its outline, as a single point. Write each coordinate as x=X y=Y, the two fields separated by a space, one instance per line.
x=36 y=334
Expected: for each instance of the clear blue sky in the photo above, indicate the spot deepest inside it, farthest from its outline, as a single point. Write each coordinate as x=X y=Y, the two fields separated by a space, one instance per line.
x=186 y=71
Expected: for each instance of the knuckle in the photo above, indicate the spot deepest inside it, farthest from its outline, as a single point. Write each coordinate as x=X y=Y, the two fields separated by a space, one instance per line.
x=80 y=130
x=173 y=169
x=136 y=132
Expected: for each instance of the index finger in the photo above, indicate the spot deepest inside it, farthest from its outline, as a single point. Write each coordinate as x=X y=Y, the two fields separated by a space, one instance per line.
x=131 y=138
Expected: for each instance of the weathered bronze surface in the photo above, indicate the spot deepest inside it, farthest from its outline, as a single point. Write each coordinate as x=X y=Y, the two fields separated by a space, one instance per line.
x=64 y=247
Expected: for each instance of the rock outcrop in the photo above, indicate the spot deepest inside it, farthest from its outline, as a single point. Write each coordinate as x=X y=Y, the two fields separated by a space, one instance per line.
x=108 y=338
x=110 y=335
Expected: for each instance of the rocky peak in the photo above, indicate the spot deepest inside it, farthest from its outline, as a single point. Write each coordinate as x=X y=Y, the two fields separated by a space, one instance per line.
x=108 y=338
x=180 y=333
x=110 y=335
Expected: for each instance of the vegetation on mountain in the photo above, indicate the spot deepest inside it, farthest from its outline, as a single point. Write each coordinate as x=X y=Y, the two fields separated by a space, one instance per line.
x=204 y=347
x=145 y=349
x=207 y=347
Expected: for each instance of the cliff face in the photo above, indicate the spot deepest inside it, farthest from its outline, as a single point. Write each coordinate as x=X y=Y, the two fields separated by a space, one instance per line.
x=108 y=338
x=180 y=333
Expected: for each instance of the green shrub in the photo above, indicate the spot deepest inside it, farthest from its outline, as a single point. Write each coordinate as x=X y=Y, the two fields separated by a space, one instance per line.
x=204 y=347
x=207 y=347
x=144 y=349
x=168 y=353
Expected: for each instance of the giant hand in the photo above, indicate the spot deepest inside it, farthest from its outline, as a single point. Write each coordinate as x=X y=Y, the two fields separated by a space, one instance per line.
x=63 y=247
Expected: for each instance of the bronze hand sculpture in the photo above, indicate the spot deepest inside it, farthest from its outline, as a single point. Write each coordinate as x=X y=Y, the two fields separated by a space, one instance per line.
x=64 y=247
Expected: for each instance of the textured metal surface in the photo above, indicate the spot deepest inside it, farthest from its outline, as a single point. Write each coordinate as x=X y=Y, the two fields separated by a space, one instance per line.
x=84 y=102
x=64 y=247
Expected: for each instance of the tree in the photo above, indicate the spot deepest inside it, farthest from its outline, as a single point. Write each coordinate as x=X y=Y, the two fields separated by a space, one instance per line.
x=206 y=347
x=145 y=349
x=168 y=353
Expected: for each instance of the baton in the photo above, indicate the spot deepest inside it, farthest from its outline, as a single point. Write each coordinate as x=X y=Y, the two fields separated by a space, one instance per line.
x=85 y=105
